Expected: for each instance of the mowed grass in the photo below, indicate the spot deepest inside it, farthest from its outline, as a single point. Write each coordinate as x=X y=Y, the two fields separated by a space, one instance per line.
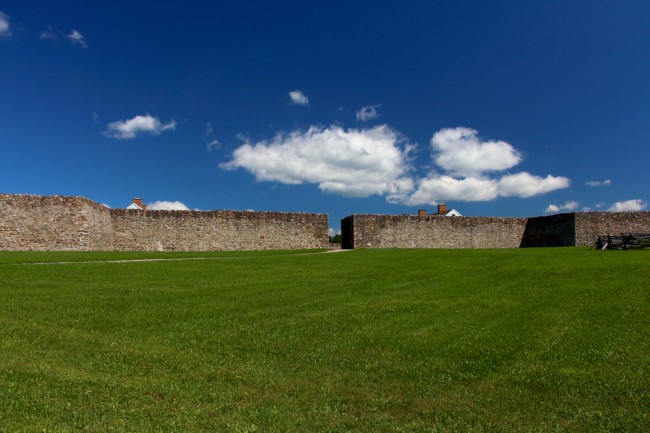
x=526 y=340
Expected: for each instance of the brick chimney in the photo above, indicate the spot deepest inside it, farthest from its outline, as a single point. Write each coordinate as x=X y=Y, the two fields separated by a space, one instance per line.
x=422 y=212
x=442 y=209
x=138 y=201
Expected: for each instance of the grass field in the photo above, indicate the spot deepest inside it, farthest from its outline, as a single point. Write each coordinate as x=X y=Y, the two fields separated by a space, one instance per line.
x=526 y=340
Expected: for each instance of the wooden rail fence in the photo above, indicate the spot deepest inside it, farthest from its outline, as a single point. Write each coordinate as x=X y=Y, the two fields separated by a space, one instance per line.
x=626 y=241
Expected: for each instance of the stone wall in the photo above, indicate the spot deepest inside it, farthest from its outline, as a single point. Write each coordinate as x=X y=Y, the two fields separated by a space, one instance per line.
x=57 y=223
x=550 y=231
x=582 y=228
x=31 y=222
x=406 y=231
x=217 y=230
x=590 y=225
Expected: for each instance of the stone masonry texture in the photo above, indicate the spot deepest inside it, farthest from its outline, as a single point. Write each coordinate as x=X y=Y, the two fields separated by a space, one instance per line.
x=550 y=231
x=410 y=231
x=406 y=231
x=590 y=225
x=57 y=223
x=31 y=222
x=217 y=230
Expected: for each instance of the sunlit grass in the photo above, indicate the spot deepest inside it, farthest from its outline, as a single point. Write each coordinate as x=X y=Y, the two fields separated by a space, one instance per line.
x=367 y=340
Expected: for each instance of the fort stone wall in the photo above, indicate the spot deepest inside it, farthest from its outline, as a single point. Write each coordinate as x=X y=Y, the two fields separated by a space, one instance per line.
x=409 y=231
x=550 y=231
x=217 y=230
x=32 y=222
x=582 y=228
x=406 y=231
x=58 y=223
x=590 y=225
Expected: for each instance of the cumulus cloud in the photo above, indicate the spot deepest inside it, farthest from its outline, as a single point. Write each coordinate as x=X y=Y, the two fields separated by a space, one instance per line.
x=167 y=205
x=527 y=185
x=570 y=205
x=634 y=205
x=567 y=206
x=375 y=161
x=435 y=188
x=439 y=188
x=76 y=38
x=5 y=25
x=298 y=98
x=594 y=183
x=460 y=152
x=353 y=163
x=368 y=113
x=333 y=232
x=125 y=129
x=468 y=163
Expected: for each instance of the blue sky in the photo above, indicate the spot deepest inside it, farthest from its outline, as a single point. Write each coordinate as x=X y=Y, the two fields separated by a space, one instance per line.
x=504 y=108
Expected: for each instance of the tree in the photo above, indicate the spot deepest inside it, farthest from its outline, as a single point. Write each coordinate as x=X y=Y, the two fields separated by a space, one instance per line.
x=335 y=239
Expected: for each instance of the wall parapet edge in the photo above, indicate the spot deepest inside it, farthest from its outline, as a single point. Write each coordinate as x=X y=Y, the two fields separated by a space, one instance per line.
x=75 y=223
x=217 y=230
x=60 y=223
x=435 y=231
x=33 y=222
x=431 y=231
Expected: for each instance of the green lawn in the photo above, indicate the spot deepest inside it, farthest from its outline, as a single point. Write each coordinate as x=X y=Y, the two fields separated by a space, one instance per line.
x=554 y=339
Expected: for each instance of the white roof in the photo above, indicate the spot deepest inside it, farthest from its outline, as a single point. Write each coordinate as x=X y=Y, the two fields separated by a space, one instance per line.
x=452 y=212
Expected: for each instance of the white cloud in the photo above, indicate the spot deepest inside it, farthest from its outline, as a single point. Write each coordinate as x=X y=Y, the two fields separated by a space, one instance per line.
x=48 y=34
x=567 y=206
x=570 y=205
x=467 y=161
x=634 y=205
x=73 y=36
x=525 y=185
x=439 y=188
x=5 y=25
x=211 y=143
x=333 y=232
x=594 y=183
x=76 y=38
x=298 y=98
x=460 y=152
x=436 y=189
x=167 y=205
x=368 y=113
x=375 y=161
x=353 y=163
x=243 y=137
x=125 y=129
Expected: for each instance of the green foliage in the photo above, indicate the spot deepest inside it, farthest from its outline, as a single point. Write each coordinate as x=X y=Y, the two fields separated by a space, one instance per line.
x=336 y=239
x=368 y=340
